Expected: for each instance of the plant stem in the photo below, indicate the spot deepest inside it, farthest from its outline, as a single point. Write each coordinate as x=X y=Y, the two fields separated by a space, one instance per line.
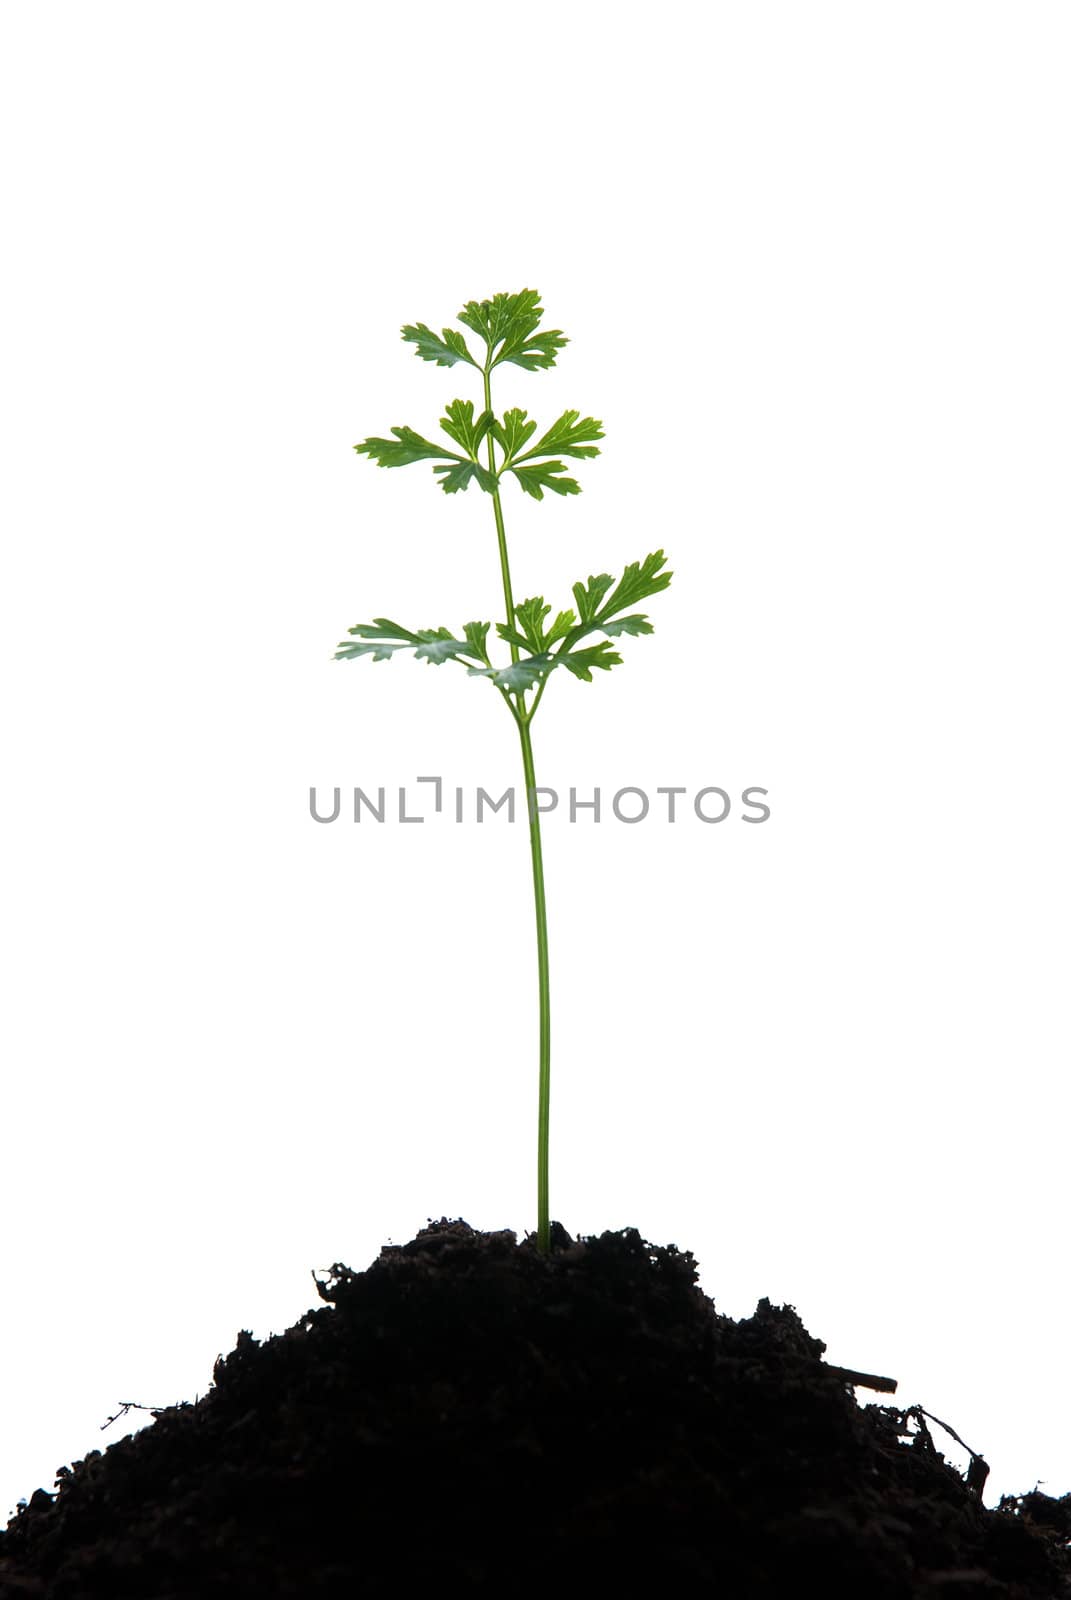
x=523 y=718
x=500 y=526
x=543 y=1159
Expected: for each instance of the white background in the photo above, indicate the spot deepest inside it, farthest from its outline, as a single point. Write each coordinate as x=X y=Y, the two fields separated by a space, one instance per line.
x=813 y=263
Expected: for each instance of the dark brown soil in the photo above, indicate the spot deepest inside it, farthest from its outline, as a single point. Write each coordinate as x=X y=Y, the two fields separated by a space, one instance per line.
x=470 y=1416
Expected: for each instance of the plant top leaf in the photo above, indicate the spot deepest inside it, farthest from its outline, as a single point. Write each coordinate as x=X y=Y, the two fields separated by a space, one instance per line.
x=507 y=324
x=445 y=351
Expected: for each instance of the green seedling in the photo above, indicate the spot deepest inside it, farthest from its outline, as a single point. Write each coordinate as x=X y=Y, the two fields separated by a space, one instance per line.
x=508 y=329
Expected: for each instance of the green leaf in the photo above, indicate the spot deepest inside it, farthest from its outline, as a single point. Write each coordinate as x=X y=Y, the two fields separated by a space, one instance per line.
x=530 y=614
x=386 y=637
x=382 y=638
x=384 y=628
x=589 y=596
x=379 y=651
x=404 y=448
x=502 y=316
x=456 y=471
x=580 y=662
x=459 y=425
x=518 y=677
x=543 y=475
x=563 y=623
x=459 y=474
x=638 y=580
x=445 y=352
x=534 y=354
x=439 y=645
x=510 y=321
x=635 y=624
x=514 y=432
x=567 y=437
x=476 y=634
x=511 y=636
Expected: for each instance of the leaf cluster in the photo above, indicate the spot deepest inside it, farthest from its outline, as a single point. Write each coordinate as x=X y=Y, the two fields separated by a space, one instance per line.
x=540 y=647
x=508 y=324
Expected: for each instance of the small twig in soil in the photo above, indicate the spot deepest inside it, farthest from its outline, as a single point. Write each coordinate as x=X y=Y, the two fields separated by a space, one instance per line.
x=978 y=1471
x=129 y=1405
x=867 y=1380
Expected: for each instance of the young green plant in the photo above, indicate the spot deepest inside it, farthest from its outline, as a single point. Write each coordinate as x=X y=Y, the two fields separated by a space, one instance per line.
x=508 y=328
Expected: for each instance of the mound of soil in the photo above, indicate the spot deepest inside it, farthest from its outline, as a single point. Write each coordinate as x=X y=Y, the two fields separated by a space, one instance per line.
x=470 y=1413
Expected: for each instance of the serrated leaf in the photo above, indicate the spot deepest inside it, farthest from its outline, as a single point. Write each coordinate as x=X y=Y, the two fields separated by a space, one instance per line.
x=534 y=354
x=568 y=437
x=510 y=636
x=379 y=651
x=513 y=432
x=503 y=316
x=456 y=471
x=530 y=614
x=508 y=323
x=439 y=645
x=589 y=596
x=406 y=447
x=580 y=662
x=563 y=623
x=638 y=580
x=518 y=677
x=384 y=628
x=476 y=634
x=383 y=639
x=458 y=424
x=457 y=475
x=445 y=351
x=636 y=624
x=544 y=475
